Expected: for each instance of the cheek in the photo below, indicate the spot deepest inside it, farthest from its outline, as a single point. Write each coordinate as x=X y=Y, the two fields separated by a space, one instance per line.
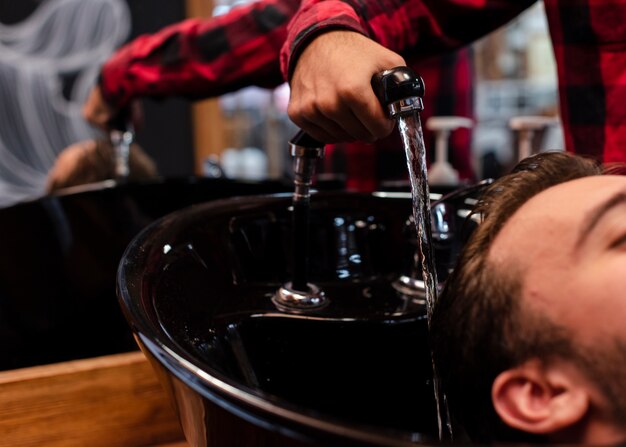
x=609 y=283
x=589 y=297
x=604 y=279
x=578 y=297
x=597 y=295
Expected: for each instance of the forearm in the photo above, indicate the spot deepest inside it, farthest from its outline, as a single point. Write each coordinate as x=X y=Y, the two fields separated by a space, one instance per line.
x=200 y=58
x=408 y=27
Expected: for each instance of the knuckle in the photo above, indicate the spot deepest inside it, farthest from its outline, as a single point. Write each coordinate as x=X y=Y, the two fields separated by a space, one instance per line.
x=296 y=112
x=327 y=106
x=351 y=92
x=309 y=110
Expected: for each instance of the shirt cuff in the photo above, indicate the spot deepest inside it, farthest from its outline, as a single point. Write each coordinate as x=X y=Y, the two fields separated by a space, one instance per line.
x=316 y=17
x=113 y=77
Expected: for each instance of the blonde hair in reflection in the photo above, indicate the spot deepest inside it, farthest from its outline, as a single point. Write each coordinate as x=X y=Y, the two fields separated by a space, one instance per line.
x=93 y=161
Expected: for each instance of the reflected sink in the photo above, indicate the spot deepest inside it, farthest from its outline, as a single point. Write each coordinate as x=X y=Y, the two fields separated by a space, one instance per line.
x=197 y=288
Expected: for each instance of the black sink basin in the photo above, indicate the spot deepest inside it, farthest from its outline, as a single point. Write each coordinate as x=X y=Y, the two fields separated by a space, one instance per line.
x=197 y=288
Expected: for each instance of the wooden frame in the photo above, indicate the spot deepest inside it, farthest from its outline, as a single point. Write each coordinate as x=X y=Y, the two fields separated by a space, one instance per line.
x=106 y=401
x=208 y=135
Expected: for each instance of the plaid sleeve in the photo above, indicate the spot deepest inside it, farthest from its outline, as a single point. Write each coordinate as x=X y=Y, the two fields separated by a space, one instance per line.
x=408 y=27
x=199 y=58
x=588 y=37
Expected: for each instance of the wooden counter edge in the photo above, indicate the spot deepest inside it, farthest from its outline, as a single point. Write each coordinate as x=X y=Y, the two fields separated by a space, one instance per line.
x=106 y=401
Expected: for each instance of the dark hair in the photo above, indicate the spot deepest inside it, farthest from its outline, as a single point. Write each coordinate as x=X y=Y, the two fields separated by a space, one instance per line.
x=477 y=330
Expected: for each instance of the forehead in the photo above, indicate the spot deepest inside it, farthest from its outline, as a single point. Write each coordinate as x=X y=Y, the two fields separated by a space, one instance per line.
x=554 y=216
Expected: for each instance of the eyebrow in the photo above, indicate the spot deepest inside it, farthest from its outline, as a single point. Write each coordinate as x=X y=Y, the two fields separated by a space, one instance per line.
x=595 y=215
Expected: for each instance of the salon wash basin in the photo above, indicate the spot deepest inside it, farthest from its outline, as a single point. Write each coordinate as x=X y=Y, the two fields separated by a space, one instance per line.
x=196 y=287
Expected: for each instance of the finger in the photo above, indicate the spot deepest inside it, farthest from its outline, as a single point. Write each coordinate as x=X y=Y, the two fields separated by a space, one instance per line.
x=94 y=116
x=136 y=115
x=348 y=123
x=326 y=132
x=366 y=119
x=95 y=110
x=312 y=121
x=334 y=128
x=373 y=116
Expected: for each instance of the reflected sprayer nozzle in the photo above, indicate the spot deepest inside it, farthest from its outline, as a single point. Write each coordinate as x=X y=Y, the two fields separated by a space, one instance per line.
x=122 y=141
x=122 y=136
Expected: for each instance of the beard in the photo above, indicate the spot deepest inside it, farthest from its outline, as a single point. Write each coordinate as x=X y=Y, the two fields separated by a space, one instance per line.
x=602 y=362
x=605 y=365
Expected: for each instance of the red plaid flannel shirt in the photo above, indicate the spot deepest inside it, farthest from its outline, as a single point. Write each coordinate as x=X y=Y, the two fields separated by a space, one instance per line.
x=200 y=58
x=588 y=36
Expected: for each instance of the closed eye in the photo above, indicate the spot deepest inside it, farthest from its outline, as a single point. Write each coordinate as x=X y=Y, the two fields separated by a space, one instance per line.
x=619 y=241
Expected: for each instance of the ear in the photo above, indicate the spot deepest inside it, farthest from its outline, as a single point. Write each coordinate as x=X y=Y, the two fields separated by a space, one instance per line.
x=538 y=398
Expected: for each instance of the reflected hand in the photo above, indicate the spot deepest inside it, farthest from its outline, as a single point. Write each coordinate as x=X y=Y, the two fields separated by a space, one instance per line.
x=98 y=112
x=331 y=94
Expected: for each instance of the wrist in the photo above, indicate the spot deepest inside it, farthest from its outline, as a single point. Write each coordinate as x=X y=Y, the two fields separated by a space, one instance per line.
x=310 y=22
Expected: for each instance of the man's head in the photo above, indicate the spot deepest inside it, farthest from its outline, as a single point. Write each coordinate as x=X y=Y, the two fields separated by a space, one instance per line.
x=527 y=334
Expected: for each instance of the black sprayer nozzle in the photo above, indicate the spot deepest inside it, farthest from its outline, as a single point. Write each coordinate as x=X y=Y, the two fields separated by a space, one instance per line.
x=399 y=89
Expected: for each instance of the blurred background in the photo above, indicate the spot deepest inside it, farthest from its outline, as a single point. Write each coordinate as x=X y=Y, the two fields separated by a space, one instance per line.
x=51 y=50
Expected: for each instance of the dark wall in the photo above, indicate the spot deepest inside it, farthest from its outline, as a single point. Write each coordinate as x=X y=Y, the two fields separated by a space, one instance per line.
x=167 y=134
x=12 y=11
